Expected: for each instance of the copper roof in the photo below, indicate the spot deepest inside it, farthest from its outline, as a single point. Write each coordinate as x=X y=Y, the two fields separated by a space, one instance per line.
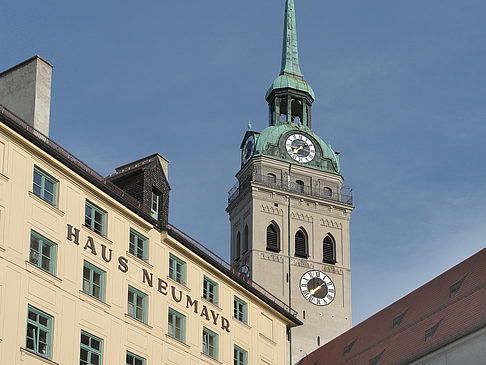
x=442 y=311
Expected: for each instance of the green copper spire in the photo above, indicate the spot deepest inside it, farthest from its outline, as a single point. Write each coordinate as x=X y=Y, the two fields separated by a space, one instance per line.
x=290 y=75
x=290 y=52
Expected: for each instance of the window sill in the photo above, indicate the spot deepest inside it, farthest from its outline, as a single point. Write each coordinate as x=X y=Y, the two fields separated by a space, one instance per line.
x=241 y=323
x=267 y=339
x=176 y=341
x=213 y=360
x=178 y=284
x=212 y=304
x=25 y=352
x=273 y=250
x=95 y=301
x=4 y=177
x=330 y=262
x=135 y=321
x=140 y=261
x=48 y=205
x=33 y=269
x=103 y=238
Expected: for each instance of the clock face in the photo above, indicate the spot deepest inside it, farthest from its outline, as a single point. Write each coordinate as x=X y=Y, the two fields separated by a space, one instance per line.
x=245 y=270
x=300 y=148
x=317 y=287
x=248 y=149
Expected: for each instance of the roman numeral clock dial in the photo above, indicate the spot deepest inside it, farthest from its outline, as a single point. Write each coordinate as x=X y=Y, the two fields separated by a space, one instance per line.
x=300 y=148
x=317 y=288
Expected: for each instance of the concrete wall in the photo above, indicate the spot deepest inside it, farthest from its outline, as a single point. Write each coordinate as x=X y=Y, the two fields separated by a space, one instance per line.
x=25 y=90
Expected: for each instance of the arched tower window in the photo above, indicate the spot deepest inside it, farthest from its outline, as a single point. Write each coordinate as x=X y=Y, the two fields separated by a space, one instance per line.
x=301 y=243
x=271 y=178
x=299 y=185
x=282 y=102
x=327 y=192
x=245 y=239
x=273 y=237
x=237 y=246
x=329 y=250
x=297 y=111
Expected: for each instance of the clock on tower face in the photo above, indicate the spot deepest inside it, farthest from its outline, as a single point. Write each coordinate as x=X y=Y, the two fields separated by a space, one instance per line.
x=317 y=288
x=248 y=149
x=300 y=148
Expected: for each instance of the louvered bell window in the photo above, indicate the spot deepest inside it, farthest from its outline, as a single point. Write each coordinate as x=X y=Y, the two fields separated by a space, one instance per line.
x=300 y=244
x=272 y=238
x=329 y=249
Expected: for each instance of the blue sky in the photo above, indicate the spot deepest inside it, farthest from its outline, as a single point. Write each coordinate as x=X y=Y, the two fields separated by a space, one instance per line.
x=400 y=92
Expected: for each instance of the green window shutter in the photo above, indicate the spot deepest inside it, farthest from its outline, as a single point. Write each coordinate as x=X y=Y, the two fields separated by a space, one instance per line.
x=240 y=356
x=39 y=332
x=137 y=304
x=91 y=349
x=210 y=290
x=177 y=325
x=132 y=359
x=94 y=281
x=240 y=310
x=138 y=245
x=177 y=269
x=44 y=186
x=95 y=218
x=210 y=343
x=43 y=253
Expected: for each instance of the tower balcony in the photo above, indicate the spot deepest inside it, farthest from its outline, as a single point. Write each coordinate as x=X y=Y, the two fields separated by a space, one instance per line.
x=344 y=196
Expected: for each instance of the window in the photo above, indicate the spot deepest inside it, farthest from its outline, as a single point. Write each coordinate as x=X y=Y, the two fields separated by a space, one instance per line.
x=431 y=331
x=94 y=281
x=273 y=237
x=210 y=290
x=137 y=304
x=154 y=208
x=133 y=359
x=177 y=269
x=329 y=250
x=327 y=192
x=271 y=179
x=238 y=246
x=177 y=325
x=42 y=253
x=91 y=349
x=95 y=218
x=245 y=239
x=39 y=332
x=210 y=343
x=299 y=185
x=301 y=243
x=240 y=310
x=240 y=356
x=45 y=187
x=138 y=245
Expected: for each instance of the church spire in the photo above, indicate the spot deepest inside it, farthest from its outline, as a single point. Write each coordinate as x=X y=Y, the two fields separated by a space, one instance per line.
x=290 y=52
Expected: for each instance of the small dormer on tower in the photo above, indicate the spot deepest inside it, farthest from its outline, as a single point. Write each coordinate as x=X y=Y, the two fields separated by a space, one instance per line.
x=290 y=97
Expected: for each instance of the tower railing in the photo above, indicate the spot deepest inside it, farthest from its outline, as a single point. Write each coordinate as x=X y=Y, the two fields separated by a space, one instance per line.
x=344 y=196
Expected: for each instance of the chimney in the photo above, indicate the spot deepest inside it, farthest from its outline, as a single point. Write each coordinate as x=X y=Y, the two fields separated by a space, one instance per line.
x=25 y=90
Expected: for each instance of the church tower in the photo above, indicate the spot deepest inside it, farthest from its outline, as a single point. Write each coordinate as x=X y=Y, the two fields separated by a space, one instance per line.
x=289 y=211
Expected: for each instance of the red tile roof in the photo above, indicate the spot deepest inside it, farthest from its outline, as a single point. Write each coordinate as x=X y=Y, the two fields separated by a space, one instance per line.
x=430 y=305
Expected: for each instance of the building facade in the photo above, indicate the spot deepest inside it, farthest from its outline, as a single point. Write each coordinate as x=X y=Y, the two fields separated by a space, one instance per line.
x=289 y=211
x=92 y=273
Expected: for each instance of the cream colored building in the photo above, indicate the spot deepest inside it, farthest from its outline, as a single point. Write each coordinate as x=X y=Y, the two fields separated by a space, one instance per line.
x=91 y=275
